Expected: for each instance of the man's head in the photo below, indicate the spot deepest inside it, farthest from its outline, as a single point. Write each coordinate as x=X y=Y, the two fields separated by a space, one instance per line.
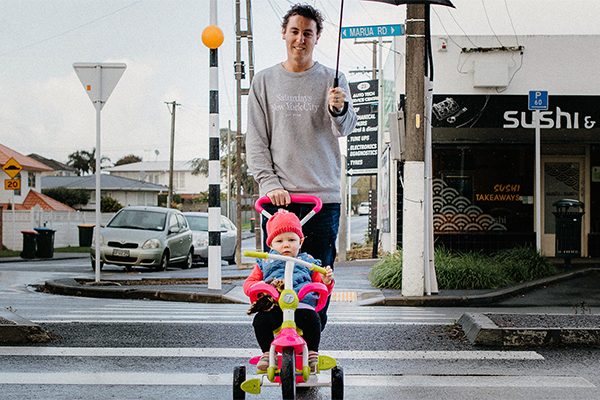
x=301 y=30
x=305 y=11
x=284 y=233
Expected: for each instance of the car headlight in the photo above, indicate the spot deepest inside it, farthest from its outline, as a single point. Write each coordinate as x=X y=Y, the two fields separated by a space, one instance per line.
x=151 y=244
x=101 y=240
x=202 y=242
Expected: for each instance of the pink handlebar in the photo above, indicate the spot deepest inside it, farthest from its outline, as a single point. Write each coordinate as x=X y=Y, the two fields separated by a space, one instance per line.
x=296 y=198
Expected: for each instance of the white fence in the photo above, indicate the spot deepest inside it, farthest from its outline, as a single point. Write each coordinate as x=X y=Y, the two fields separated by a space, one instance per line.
x=63 y=222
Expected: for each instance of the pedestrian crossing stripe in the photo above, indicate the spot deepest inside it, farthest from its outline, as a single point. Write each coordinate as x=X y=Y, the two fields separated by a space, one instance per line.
x=343 y=296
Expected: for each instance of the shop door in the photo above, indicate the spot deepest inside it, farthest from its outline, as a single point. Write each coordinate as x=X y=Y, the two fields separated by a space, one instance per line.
x=562 y=178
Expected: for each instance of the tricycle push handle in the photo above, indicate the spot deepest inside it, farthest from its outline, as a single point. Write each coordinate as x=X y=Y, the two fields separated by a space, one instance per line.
x=296 y=198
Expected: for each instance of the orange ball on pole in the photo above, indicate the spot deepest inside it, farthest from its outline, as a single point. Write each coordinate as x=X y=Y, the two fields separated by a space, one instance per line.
x=212 y=36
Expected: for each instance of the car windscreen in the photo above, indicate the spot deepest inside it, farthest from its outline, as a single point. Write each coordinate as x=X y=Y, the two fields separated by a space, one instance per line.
x=139 y=219
x=197 y=223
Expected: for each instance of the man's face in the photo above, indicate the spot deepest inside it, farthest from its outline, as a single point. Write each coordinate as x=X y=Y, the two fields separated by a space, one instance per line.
x=300 y=38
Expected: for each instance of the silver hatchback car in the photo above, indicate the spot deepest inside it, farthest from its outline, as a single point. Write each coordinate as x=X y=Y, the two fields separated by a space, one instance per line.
x=199 y=225
x=154 y=237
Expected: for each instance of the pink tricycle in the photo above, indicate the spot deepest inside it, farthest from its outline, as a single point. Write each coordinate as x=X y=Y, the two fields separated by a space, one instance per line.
x=288 y=355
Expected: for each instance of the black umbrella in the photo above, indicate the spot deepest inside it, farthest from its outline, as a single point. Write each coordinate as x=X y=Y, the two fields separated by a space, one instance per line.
x=336 y=81
x=398 y=2
x=428 y=55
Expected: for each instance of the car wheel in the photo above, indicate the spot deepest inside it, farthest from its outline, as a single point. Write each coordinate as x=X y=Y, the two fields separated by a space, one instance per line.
x=164 y=262
x=189 y=260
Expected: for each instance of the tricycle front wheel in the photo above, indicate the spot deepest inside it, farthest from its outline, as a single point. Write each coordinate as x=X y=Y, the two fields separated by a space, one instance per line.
x=288 y=374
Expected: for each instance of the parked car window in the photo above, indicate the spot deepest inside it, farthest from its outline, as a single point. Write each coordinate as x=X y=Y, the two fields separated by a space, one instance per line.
x=198 y=223
x=138 y=219
x=173 y=221
x=182 y=221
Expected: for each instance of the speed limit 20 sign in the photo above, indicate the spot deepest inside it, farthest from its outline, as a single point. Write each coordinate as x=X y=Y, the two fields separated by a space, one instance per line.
x=12 y=184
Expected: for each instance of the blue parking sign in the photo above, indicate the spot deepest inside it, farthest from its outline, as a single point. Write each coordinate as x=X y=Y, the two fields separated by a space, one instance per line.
x=538 y=100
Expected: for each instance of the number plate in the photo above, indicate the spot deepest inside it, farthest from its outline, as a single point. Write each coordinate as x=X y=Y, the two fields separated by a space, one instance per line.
x=121 y=253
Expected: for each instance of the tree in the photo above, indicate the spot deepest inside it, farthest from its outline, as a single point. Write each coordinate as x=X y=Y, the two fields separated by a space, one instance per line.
x=128 y=159
x=201 y=164
x=84 y=161
x=70 y=197
x=109 y=205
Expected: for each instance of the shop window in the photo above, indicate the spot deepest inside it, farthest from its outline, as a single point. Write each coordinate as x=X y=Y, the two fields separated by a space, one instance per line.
x=479 y=189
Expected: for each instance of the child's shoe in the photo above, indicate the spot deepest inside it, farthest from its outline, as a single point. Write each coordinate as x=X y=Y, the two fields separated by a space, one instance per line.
x=313 y=360
x=263 y=362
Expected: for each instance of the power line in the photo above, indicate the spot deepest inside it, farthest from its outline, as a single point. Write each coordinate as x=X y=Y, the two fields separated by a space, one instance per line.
x=68 y=31
x=490 y=23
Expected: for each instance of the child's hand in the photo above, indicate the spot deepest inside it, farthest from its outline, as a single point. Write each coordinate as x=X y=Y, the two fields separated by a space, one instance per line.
x=327 y=277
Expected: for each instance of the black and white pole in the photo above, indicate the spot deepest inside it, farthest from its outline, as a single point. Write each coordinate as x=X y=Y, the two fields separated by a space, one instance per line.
x=212 y=37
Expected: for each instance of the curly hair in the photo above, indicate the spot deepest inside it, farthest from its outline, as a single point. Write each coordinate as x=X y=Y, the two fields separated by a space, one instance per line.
x=305 y=11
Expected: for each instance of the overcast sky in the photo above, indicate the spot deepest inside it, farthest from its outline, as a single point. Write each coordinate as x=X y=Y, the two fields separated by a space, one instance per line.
x=45 y=110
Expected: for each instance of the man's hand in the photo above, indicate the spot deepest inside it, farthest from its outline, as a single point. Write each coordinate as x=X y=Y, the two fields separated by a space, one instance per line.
x=336 y=98
x=328 y=277
x=279 y=197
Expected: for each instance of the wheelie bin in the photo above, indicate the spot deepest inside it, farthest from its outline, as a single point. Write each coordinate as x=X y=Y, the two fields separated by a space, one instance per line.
x=45 y=242
x=29 y=244
x=86 y=233
x=568 y=229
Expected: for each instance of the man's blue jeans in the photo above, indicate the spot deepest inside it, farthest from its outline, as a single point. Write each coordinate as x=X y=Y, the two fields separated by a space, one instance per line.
x=320 y=233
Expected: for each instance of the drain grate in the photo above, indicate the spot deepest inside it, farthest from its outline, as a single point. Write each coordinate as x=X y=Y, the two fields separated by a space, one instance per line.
x=343 y=296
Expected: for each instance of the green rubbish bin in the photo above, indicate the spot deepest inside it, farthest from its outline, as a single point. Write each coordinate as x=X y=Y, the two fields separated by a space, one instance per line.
x=568 y=229
x=252 y=225
x=86 y=234
x=45 y=242
x=29 y=244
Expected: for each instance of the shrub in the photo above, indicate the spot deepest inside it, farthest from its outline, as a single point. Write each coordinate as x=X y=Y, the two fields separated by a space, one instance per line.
x=473 y=270
x=70 y=197
x=109 y=205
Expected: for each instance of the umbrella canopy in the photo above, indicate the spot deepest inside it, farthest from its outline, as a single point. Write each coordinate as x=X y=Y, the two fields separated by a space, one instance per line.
x=398 y=2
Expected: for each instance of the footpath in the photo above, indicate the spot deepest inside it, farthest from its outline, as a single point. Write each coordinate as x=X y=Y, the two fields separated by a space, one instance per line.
x=578 y=288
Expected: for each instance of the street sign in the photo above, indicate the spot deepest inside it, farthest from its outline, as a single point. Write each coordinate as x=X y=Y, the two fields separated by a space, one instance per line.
x=12 y=184
x=538 y=100
x=99 y=79
x=362 y=148
x=351 y=32
x=12 y=167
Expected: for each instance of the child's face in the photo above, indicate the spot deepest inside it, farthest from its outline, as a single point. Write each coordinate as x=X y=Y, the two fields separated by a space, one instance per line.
x=287 y=244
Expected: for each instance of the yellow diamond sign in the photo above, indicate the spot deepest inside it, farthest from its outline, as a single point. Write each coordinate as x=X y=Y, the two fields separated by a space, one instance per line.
x=12 y=167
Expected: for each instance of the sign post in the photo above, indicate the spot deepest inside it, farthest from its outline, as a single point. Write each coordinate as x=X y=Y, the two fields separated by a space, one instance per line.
x=12 y=169
x=538 y=100
x=98 y=80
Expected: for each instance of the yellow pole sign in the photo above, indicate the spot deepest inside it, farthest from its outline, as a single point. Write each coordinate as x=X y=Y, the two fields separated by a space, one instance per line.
x=12 y=167
x=12 y=184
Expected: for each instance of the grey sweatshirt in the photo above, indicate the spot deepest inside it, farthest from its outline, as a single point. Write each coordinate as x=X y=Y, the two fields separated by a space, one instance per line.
x=292 y=140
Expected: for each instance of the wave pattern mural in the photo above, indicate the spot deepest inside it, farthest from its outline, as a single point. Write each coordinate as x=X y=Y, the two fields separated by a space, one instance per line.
x=565 y=173
x=455 y=213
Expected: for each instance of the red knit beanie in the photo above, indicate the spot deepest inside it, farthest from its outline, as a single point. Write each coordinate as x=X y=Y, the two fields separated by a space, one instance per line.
x=283 y=221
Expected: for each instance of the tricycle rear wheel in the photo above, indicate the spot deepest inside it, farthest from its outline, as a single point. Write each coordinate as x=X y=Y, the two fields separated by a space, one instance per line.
x=288 y=374
x=239 y=376
x=337 y=383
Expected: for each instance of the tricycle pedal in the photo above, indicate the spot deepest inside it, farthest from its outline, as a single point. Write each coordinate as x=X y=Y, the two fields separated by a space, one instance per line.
x=251 y=386
x=325 y=363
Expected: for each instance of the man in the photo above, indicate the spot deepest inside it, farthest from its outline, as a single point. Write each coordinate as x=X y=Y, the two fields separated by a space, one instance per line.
x=295 y=119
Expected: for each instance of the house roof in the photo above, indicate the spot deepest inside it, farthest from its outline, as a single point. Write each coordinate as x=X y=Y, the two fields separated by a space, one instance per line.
x=152 y=166
x=47 y=203
x=55 y=165
x=107 y=182
x=28 y=163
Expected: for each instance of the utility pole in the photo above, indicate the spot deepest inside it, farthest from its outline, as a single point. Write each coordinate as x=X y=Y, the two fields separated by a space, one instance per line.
x=239 y=75
x=414 y=169
x=170 y=194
